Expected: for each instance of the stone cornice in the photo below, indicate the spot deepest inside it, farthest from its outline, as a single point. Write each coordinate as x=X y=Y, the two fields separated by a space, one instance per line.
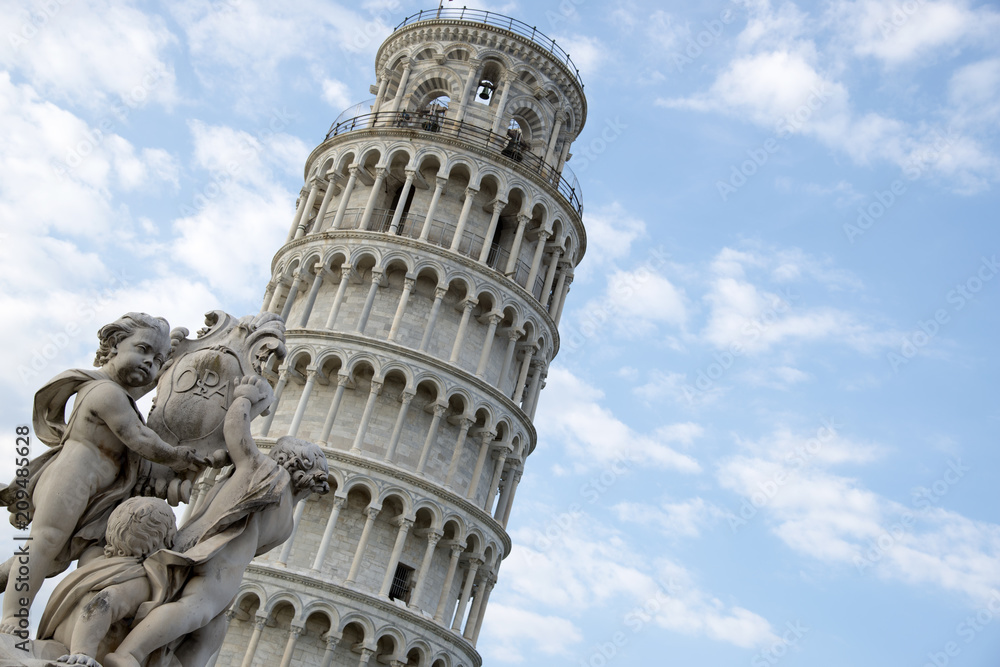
x=430 y=627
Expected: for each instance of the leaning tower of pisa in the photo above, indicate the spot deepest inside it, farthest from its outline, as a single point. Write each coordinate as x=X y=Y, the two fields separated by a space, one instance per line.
x=421 y=283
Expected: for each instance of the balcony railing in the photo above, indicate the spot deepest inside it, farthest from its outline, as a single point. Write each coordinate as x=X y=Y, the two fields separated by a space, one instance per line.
x=499 y=21
x=506 y=149
x=441 y=234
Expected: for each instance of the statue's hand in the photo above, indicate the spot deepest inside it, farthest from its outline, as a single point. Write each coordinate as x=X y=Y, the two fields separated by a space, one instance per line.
x=188 y=458
x=79 y=659
x=255 y=389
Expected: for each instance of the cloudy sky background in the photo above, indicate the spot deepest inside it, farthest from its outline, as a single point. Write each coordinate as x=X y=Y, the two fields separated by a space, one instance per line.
x=771 y=434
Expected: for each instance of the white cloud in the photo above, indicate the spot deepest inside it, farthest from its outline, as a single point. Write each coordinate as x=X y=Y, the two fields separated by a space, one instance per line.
x=336 y=94
x=88 y=51
x=593 y=437
x=611 y=231
x=510 y=628
x=684 y=519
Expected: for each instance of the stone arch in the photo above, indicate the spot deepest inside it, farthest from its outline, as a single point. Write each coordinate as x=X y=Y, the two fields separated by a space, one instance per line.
x=280 y=597
x=428 y=152
x=431 y=84
x=390 y=644
x=532 y=118
x=454 y=528
x=426 y=504
x=345 y=159
x=401 y=496
x=432 y=266
x=417 y=652
x=491 y=176
x=323 y=608
x=363 y=483
x=396 y=367
x=357 y=618
x=361 y=362
x=460 y=165
x=365 y=258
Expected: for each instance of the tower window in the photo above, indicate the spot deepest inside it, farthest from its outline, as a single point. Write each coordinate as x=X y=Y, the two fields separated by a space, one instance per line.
x=402 y=583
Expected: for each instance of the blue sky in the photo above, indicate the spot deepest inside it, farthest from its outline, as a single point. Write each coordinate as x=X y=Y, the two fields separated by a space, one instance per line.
x=770 y=436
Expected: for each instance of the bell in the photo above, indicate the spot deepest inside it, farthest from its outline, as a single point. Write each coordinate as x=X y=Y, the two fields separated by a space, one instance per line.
x=485 y=89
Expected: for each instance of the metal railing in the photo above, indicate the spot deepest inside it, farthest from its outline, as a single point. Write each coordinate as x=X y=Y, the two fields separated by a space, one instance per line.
x=506 y=148
x=499 y=21
x=441 y=234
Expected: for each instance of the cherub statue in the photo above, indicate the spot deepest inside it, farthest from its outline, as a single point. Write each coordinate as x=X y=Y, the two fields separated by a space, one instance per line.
x=245 y=514
x=94 y=459
x=90 y=610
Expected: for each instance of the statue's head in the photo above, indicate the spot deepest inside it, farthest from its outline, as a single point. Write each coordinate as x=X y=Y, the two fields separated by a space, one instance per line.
x=304 y=461
x=134 y=348
x=139 y=527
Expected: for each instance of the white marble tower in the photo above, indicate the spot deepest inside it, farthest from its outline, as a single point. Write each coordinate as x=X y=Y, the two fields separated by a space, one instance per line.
x=422 y=282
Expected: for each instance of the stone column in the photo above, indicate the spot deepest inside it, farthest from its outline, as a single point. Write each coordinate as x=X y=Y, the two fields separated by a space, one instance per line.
x=345 y=196
x=401 y=91
x=495 y=482
x=456 y=348
x=438 y=297
x=489 y=583
x=286 y=549
x=449 y=578
x=359 y=553
x=300 y=229
x=258 y=627
x=300 y=206
x=515 y=249
x=510 y=497
x=562 y=299
x=272 y=305
x=484 y=449
x=268 y=295
x=397 y=430
x=484 y=356
x=397 y=550
x=317 y=281
x=475 y=67
x=463 y=218
x=345 y=275
x=491 y=230
x=513 y=335
x=425 y=230
x=464 y=424
x=293 y=635
x=404 y=297
x=278 y=389
x=325 y=204
x=522 y=377
x=439 y=411
x=536 y=261
x=380 y=173
x=550 y=153
x=341 y=382
x=499 y=113
x=508 y=488
x=532 y=392
x=293 y=291
x=366 y=655
x=397 y=215
x=300 y=409
x=477 y=605
x=550 y=275
x=382 y=85
x=369 y=301
x=537 y=392
x=433 y=537
x=359 y=438
x=331 y=646
x=331 y=525
x=463 y=599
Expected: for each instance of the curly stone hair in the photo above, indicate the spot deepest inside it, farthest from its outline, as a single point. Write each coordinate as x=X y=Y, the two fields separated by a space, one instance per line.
x=112 y=334
x=300 y=458
x=140 y=526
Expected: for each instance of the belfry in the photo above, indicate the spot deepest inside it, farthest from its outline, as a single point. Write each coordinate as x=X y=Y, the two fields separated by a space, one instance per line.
x=421 y=283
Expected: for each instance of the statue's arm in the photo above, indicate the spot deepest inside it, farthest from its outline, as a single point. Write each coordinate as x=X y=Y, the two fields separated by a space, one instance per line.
x=113 y=407
x=236 y=430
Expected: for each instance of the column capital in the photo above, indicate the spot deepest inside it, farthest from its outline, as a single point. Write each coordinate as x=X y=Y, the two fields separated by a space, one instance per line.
x=376 y=387
x=468 y=303
x=409 y=282
x=439 y=410
x=404 y=521
x=339 y=502
x=372 y=512
x=230 y=613
x=434 y=536
x=386 y=72
x=296 y=629
x=523 y=218
x=259 y=621
x=514 y=334
x=456 y=549
x=406 y=397
x=332 y=641
x=471 y=191
x=354 y=170
x=441 y=181
x=494 y=318
x=439 y=293
x=561 y=116
x=380 y=172
x=410 y=173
